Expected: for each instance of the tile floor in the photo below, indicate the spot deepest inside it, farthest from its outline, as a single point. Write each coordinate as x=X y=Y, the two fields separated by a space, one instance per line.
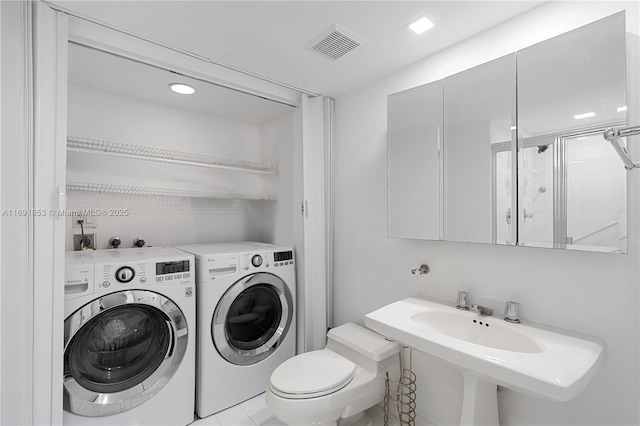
x=254 y=412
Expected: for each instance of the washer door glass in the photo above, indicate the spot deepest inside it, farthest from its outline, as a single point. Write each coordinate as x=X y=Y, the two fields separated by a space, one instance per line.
x=120 y=350
x=252 y=318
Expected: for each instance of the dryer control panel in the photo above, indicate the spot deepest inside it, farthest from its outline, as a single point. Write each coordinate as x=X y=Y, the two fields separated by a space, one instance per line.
x=262 y=261
x=282 y=258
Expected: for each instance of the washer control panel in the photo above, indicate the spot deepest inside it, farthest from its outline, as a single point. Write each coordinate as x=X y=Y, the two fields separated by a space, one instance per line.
x=148 y=273
x=117 y=269
x=78 y=280
x=125 y=274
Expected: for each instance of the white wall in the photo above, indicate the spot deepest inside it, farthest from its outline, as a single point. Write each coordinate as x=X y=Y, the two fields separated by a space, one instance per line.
x=594 y=293
x=161 y=220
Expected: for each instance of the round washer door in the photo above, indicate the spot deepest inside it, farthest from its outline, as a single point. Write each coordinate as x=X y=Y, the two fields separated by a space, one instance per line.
x=120 y=350
x=252 y=318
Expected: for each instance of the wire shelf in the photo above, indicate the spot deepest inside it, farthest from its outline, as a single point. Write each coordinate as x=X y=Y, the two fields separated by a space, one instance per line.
x=167 y=155
x=166 y=192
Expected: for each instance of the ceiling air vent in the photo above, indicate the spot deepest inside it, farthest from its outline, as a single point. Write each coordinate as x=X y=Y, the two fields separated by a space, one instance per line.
x=334 y=42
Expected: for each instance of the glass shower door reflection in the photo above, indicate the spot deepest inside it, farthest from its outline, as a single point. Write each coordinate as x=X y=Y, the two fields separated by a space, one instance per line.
x=504 y=215
x=596 y=203
x=572 y=193
x=536 y=187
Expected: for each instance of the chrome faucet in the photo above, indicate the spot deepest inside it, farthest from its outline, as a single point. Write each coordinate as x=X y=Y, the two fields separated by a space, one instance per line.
x=483 y=310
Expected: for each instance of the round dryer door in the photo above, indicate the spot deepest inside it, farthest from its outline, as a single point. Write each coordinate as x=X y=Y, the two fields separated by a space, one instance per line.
x=120 y=350
x=252 y=318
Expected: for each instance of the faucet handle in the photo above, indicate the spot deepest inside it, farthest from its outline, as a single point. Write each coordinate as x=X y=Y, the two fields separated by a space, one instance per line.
x=463 y=300
x=512 y=312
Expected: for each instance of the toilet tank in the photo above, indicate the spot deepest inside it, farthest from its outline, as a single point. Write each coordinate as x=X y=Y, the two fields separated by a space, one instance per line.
x=368 y=343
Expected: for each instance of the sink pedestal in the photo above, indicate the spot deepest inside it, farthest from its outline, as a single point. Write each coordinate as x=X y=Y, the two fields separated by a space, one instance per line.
x=479 y=401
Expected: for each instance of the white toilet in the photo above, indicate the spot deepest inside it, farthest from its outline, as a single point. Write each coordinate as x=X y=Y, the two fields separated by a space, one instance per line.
x=334 y=385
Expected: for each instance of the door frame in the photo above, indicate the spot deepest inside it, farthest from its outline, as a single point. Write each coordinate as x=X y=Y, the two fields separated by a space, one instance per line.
x=42 y=313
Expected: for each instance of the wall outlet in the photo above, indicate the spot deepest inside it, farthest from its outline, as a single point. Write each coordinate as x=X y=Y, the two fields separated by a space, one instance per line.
x=89 y=221
x=77 y=239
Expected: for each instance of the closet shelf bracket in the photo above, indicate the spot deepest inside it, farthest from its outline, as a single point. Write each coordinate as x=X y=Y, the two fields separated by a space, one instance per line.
x=613 y=136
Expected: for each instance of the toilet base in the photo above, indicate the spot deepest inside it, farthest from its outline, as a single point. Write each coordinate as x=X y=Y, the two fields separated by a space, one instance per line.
x=360 y=419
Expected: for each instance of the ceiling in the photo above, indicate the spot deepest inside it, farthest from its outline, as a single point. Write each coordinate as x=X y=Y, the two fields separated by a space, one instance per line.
x=268 y=38
x=102 y=71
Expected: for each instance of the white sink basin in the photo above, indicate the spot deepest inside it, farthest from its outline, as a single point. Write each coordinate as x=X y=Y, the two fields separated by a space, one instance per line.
x=476 y=329
x=530 y=358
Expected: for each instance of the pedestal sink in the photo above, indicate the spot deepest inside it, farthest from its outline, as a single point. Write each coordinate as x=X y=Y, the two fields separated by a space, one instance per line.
x=534 y=359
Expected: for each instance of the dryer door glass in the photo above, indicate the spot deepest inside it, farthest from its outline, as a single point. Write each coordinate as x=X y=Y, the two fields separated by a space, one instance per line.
x=119 y=349
x=252 y=318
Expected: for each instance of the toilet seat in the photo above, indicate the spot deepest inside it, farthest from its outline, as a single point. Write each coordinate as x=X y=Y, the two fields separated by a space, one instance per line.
x=311 y=375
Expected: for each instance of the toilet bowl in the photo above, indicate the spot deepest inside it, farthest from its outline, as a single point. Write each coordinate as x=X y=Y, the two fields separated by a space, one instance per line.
x=335 y=384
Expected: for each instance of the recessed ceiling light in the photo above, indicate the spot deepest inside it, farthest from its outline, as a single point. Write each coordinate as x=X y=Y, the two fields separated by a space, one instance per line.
x=513 y=128
x=584 y=115
x=622 y=108
x=421 y=25
x=183 y=89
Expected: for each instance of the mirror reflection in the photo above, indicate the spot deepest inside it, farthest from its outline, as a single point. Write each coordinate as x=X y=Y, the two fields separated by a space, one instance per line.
x=572 y=186
x=478 y=175
x=414 y=123
x=461 y=168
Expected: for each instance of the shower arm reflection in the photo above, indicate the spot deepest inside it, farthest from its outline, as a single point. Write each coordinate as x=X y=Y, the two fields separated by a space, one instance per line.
x=613 y=136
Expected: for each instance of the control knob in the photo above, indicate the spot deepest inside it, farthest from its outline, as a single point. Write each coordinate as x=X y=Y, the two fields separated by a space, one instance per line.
x=125 y=274
x=256 y=260
x=115 y=242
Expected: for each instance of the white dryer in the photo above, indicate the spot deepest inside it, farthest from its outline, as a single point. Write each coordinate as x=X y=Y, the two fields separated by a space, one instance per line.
x=246 y=319
x=129 y=337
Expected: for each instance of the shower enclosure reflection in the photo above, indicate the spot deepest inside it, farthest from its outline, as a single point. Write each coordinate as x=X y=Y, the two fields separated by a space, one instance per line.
x=573 y=193
x=572 y=186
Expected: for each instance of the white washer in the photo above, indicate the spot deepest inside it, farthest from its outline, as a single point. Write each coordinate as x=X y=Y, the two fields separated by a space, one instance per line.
x=129 y=337
x=246 y=320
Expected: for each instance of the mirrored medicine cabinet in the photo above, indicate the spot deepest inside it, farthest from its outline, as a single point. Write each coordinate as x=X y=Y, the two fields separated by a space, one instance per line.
x=511 y=152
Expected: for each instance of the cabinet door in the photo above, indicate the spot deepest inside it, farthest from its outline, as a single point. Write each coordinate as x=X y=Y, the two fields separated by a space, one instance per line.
x=414 y=143
x=572 y=187
x=479 y=123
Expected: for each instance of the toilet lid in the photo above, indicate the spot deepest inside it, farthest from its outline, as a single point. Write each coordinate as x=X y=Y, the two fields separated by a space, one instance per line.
x=312 y=374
